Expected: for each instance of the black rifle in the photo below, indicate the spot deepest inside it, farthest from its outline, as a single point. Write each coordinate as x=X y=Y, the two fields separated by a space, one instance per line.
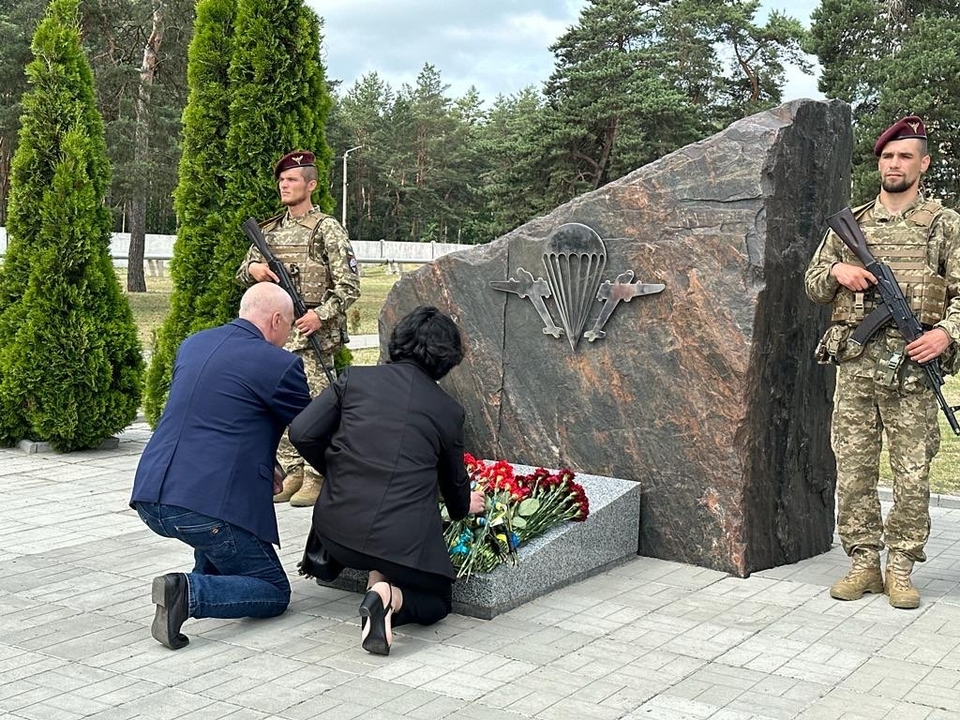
x=252 y=230
x=894 y=305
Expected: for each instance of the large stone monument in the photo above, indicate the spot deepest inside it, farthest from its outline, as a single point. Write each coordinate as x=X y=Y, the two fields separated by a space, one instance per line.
x=656 y=330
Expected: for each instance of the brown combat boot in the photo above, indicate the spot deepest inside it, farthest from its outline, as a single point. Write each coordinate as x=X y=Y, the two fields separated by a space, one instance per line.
x=291 y=484
x=307 y=495
x=863 y=576
x=898 y=586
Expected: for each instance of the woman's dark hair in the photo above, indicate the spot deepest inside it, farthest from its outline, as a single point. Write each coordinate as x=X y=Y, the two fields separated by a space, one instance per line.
x=429 y=338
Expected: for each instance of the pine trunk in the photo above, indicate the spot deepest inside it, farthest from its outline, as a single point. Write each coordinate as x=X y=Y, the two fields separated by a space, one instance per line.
x=138 y=205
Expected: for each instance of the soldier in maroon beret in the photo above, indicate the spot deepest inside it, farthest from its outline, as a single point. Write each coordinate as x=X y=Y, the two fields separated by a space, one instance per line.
x=320 y=261
x=881 y=387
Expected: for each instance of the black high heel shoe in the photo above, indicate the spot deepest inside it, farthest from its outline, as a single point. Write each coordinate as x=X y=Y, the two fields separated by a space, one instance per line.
x=374 y=617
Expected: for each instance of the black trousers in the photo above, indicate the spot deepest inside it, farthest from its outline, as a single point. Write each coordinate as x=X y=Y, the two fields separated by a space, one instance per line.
x=427 y=597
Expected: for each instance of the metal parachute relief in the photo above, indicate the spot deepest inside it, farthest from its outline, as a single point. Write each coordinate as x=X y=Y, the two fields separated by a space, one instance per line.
x=574 y=258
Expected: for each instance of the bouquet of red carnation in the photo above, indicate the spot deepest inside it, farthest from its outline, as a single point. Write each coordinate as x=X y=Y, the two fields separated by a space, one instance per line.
x=517 y=508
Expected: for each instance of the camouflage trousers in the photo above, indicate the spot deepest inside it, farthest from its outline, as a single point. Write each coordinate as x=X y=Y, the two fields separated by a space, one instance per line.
x=867 y=405
x=287 y=454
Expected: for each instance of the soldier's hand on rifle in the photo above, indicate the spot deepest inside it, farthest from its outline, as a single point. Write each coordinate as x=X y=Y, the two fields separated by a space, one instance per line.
x=261 y=272
x=308 y=323
x=853 y=277
x=929 y=346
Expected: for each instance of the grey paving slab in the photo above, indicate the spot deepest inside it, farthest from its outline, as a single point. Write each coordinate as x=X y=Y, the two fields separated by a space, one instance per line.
x=646 y=639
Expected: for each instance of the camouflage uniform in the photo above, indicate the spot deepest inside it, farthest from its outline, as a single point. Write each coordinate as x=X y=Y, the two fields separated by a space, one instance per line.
x=321 y=263
x=878 y=388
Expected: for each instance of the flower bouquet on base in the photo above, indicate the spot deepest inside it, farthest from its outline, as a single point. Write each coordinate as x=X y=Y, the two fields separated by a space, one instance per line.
x=517 y=508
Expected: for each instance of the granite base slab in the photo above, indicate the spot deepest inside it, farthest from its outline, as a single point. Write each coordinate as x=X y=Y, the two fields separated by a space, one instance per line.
x=38 y=446
x=564 y=555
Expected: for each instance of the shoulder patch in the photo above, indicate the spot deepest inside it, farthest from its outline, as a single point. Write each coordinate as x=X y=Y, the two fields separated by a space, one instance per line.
x=310 y=221
x=926 y=213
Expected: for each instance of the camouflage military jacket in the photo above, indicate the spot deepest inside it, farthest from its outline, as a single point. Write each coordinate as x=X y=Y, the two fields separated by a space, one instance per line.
x=942 y=255
x=318 y=255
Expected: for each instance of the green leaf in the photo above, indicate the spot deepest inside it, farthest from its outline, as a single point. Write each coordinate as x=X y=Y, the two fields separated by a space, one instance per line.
x=528 y=507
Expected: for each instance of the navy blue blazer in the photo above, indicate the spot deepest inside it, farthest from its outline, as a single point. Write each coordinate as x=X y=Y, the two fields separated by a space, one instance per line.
x=214 y=449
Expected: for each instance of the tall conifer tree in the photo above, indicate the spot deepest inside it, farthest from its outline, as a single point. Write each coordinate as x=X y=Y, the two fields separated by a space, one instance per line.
x=257 y=90
x=890 y=58
x=203 y=207
x=70 y=363
x=279 y=102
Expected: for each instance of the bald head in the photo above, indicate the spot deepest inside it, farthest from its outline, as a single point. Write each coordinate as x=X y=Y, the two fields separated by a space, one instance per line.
x=269 y=307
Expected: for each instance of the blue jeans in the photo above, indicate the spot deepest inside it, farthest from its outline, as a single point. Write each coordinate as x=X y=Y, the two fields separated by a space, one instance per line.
x=235 y=573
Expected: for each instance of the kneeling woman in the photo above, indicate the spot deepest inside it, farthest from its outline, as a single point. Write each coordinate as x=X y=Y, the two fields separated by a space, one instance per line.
x=389 y=441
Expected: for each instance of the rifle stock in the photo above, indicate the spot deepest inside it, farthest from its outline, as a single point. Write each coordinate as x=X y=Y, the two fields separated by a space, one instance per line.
x=252 y=230
x=844 y=224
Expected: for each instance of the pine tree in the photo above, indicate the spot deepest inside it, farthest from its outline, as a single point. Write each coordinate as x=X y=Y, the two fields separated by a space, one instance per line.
x=70 y=363
x=361 y=118
x=507 y=141
x=890 y=58
x=257 y=90
x=610 y=105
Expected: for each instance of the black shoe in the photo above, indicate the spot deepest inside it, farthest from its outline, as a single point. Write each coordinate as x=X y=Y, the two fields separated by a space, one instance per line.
x=374 y=615
x=171 y=596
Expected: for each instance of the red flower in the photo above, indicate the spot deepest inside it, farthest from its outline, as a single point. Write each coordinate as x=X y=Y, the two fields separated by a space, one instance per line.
x=476 y=543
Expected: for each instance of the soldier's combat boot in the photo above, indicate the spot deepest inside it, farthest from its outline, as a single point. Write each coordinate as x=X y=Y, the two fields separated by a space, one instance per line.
x=898 y=585
x=863 y=576
x=291 y=484
x=307 y=495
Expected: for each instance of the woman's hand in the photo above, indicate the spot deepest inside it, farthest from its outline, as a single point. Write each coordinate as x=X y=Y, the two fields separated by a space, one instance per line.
x=477 y=502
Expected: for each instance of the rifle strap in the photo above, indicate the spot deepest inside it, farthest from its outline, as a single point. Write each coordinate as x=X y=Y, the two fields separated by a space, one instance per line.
x=271 y=223
x=861 y=210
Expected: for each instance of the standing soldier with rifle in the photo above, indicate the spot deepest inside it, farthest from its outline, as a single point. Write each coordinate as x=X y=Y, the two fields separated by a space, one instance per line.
x=319 y=260
x=884 y=382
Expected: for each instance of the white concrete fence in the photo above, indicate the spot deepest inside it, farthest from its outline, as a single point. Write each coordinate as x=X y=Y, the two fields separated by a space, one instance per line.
x=158 y=249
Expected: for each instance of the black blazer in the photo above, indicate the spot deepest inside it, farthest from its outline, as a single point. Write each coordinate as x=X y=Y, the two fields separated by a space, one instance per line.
x=386 y=450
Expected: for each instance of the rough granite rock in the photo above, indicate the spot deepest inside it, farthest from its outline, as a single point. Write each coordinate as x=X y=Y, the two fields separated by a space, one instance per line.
x=706 y=393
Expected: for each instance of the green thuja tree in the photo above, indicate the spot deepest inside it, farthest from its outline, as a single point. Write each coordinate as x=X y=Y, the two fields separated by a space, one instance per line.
x=257 y=90
x=279 y=102
x=204 y=210
x=70 y=362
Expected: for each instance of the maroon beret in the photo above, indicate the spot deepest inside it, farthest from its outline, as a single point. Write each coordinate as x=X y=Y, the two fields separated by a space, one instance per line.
x=909 y=127
x=295 y=159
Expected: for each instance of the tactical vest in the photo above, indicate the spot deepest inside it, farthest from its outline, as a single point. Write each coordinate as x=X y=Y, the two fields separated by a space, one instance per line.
x=293 y=245
x=904 y=246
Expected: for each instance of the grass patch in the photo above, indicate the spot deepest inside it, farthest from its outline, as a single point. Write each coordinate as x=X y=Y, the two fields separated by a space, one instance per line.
x=367 y=356
x=945 y=467
x=362 y=316
x=150 y=308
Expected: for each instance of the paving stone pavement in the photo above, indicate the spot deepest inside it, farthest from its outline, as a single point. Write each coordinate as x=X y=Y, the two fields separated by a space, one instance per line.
x=647 y=639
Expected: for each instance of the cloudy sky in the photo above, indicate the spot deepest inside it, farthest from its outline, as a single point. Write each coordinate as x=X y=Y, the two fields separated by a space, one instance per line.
x=498 y=46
